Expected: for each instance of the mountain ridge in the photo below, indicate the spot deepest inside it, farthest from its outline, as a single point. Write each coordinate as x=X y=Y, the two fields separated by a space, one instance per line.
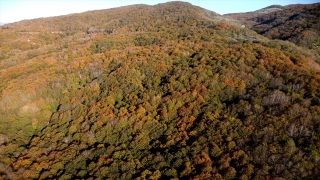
x=114 y=12
x=295 y=23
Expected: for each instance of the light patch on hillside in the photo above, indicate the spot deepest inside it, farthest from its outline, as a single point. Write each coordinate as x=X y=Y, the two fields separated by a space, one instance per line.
x=269 y=10
x=30 y=108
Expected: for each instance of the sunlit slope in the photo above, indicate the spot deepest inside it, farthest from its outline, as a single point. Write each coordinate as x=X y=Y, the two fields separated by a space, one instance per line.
x=154 y=92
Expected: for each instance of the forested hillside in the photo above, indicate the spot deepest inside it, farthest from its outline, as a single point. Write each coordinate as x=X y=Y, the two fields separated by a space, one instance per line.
x=171 y=91
x=298 y=23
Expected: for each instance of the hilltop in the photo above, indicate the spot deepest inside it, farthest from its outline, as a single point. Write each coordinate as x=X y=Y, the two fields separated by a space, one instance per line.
x=170 y=91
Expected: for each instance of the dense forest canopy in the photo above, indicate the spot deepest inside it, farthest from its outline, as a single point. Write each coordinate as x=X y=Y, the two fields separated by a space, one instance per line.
x=171 y=91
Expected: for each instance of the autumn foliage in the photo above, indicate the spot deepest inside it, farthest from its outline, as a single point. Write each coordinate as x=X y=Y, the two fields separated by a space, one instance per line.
x=170 y=91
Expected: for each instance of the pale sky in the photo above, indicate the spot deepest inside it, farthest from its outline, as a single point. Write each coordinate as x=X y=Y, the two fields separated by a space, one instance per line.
x=16 y=10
